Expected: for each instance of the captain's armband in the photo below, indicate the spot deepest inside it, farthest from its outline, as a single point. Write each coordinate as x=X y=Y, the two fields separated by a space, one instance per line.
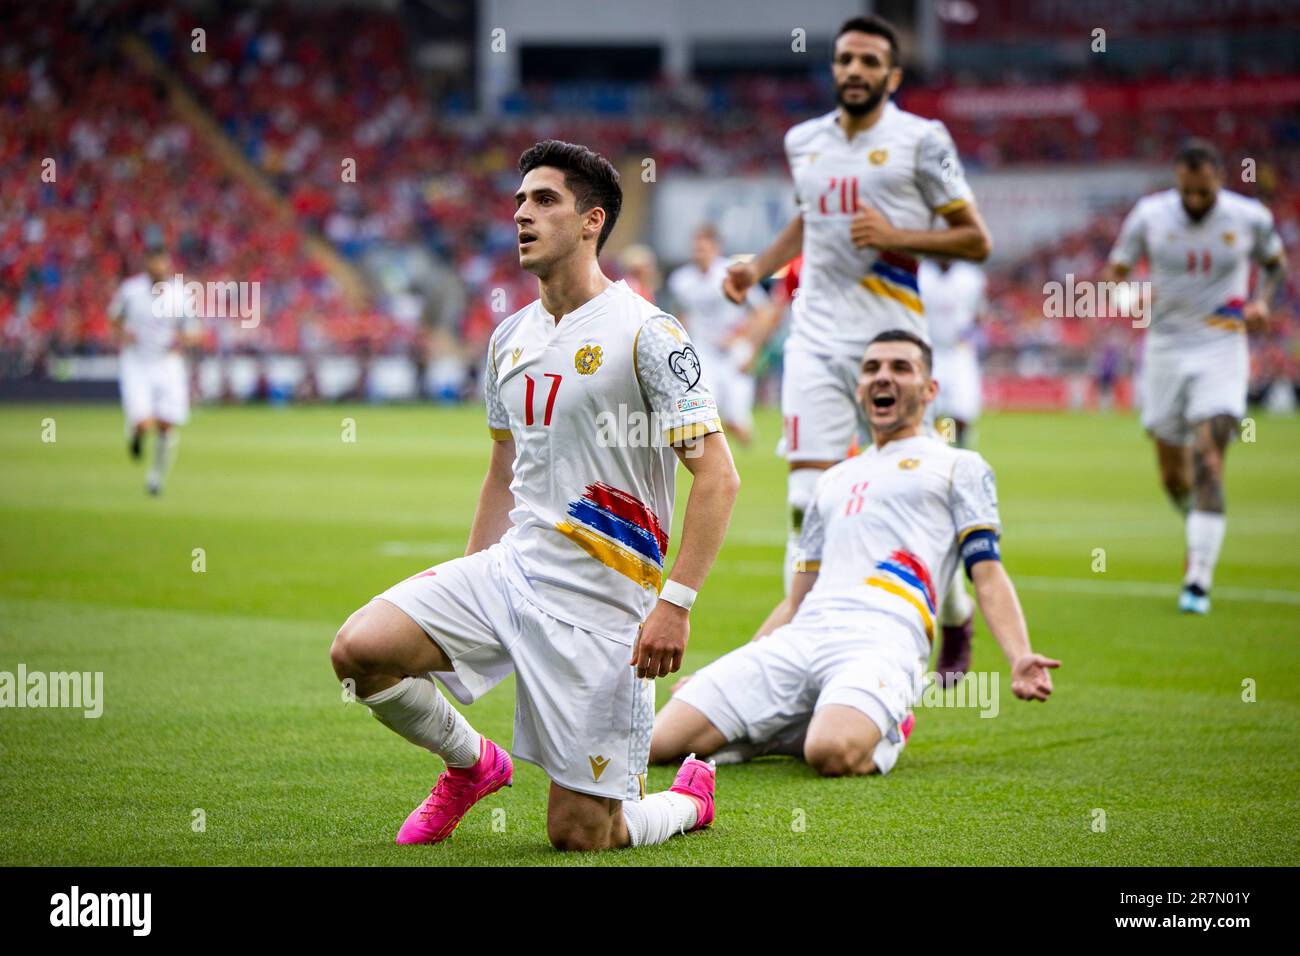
x=979 y=544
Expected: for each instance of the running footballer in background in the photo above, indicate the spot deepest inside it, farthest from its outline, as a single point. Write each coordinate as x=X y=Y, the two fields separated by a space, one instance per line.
x=728 y=336
x=154 y=323
x=1200 y=241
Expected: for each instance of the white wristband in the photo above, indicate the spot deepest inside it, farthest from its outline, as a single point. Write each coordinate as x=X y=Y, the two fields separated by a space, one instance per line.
x=679 y=594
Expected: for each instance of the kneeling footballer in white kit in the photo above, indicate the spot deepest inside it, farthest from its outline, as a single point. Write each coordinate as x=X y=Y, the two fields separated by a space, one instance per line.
x=561 y=579
x=833 y=673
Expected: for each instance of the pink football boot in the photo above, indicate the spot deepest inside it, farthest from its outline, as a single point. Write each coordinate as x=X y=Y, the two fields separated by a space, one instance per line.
x=457 y=789
x=907 y=726
x=697 y=780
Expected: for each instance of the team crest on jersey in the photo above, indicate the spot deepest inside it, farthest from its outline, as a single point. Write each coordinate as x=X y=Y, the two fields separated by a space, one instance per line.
x=878 y=156
x=1229 y=238
x=909 y=464
x=588 y=359
x=514 y=356
x=686 y=366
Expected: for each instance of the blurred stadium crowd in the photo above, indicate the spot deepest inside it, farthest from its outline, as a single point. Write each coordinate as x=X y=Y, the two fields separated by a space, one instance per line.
x=294 y=90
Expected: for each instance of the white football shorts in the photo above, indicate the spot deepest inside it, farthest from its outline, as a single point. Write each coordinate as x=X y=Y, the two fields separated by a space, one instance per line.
x=1177 y=390
x=819 y=406
x=154 y=386
x=581 y=713
x=771 y=688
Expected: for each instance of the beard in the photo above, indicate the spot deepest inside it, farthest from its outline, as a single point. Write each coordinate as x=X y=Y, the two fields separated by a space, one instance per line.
x=905 y=410
x=873 y=98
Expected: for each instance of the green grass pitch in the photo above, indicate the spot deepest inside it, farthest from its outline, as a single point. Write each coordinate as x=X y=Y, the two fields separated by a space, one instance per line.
x=219 y=695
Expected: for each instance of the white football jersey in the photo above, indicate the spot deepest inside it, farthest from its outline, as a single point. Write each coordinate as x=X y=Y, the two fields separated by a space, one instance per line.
x=1200 y=271
x=953 y=300
x=594 y=405
x=884 y=530
x=710 y=317
x=904 y=166
x=154 y=320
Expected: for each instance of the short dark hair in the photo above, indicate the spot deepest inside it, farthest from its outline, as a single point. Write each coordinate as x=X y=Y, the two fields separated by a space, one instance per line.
x=591 y=178
x=902 y=335
x=1195 y=153
x=876 y=26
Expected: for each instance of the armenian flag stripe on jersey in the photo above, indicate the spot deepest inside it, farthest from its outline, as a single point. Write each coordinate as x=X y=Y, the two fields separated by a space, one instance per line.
x=623 y=505
x=904 y=575
x=619 y=531
x=894 y=277
x=1228 y=316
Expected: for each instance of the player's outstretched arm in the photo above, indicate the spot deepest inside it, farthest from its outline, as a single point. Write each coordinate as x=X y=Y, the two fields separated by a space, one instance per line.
x=495 y=499
x=1001 y=609
x=714 y=483
x=742 y=275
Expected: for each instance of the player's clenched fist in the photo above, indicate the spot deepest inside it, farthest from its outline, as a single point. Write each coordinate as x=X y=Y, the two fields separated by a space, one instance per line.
x=1255 y=315
x=870 y=228
x=1029 y=677
x=740 y=276
x=661 y=642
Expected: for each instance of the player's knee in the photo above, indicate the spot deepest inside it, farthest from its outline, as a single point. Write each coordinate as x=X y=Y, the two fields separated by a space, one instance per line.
x=834 y=758
x=352 y=652
x=1175 y=480
x=1207 y=465
x=573 y=835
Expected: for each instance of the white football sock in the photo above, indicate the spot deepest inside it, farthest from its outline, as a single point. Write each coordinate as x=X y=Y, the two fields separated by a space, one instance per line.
x=1204 y=539
x=800 y=486
x=416 y=709
x=658 y=817
x=164 y=453
x=886 y=754
x=957 y=605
